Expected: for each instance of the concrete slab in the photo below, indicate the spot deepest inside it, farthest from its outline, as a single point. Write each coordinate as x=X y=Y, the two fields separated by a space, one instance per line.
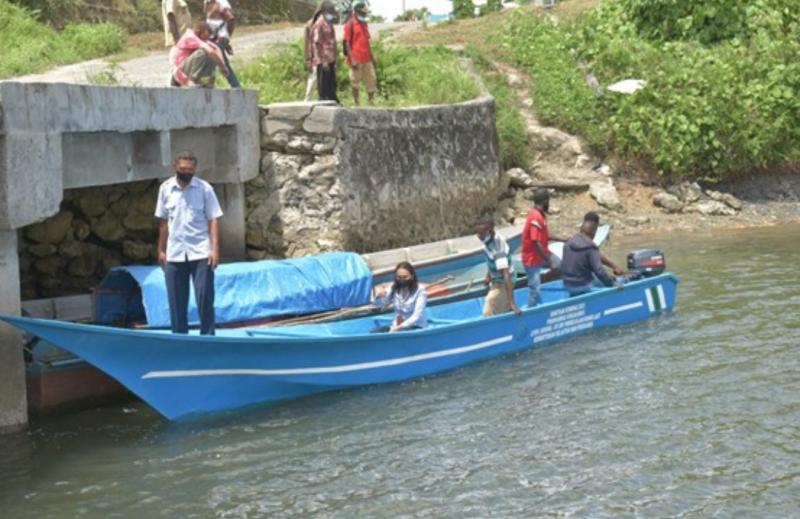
x=59 y=136
x=13 y=404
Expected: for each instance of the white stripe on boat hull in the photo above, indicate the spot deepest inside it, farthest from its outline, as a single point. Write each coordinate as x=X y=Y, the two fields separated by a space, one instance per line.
x=327 y=369
x=623 y=308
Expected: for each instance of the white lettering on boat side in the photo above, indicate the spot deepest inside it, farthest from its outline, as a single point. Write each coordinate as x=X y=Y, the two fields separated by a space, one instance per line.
x=328 y=369
x=565 y=321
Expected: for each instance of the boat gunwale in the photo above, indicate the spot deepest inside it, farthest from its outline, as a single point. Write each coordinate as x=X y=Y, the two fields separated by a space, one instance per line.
x=360 y=337
x=441 y=259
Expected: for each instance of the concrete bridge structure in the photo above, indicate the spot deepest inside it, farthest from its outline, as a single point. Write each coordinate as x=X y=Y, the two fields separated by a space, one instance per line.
x=55 y=137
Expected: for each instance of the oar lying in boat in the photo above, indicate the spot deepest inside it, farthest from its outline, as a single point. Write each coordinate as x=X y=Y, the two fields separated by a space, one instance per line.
x=353 y=311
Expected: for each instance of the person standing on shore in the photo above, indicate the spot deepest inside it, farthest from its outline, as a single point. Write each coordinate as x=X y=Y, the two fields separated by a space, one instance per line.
x=535 y=238
x=308 y=54
x=500 y=297
x=359 y=53
x=177 y=20
x=188 y=243
x=219 y=16
x=323 y=41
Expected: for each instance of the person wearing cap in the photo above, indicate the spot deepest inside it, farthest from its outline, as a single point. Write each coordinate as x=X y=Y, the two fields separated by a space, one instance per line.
x=323 y=42
x=582 y=265
x=219 y=16
x=358 y=53
x=535 y=238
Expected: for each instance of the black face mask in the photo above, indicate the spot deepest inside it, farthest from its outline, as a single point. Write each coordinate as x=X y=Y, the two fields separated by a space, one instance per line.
x=402 y=283
x=184 y=177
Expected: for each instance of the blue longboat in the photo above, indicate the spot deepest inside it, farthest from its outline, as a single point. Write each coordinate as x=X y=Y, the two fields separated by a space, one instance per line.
x=182 y=376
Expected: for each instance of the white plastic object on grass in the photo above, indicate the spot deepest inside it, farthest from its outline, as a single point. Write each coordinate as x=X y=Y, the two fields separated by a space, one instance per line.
x=627 y=86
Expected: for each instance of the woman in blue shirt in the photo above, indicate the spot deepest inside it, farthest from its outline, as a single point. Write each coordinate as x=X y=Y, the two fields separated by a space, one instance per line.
x=409 y=299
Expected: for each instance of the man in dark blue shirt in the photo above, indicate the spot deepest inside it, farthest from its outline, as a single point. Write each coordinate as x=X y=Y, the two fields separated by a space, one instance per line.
x=582 y=265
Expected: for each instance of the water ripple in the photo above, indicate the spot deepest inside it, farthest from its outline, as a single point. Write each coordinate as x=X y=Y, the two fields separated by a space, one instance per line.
x=693 y=414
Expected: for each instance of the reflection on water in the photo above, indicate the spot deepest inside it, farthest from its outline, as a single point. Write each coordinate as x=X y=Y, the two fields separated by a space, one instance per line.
x=693 y=414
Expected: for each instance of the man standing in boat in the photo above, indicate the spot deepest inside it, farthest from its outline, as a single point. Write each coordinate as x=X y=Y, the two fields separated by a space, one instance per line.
x=535 y=238
x=500 y=297
x=188 y=243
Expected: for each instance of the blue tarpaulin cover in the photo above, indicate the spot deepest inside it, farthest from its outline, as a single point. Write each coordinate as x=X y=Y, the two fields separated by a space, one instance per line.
x=244 y=291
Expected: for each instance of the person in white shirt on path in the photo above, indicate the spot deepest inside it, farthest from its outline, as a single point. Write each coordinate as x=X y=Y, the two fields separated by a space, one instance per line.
x=219 y=16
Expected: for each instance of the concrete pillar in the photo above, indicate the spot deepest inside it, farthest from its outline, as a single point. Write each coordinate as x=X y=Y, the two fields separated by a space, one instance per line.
x=232 y=224
x=13 y=404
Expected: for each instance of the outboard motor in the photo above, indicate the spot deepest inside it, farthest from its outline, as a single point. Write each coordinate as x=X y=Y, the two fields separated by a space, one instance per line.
x=645 y=263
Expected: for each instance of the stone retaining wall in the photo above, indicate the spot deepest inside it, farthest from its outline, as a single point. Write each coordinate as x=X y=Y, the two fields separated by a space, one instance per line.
x=96 y=229
x=368 y=179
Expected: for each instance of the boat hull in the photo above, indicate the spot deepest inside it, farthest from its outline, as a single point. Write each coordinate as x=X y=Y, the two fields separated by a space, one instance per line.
x=186 y=375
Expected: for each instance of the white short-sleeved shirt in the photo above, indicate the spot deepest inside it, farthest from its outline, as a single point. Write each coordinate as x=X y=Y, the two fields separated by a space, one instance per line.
x=219 y=28
x=187 y=212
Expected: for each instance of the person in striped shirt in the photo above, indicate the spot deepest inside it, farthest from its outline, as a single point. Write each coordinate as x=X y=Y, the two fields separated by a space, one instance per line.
x=500 y=297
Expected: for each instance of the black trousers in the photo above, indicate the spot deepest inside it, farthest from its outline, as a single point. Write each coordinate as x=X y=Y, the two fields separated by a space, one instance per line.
x=178 y=275
x=326 y=83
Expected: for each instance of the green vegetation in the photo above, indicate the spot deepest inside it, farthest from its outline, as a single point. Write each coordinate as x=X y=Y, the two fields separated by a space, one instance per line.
x=514 y=147
x=722 y=81
x=136 y=16
x=413 y=14
x=406 y=76
x=463 y=9
x=30 y=46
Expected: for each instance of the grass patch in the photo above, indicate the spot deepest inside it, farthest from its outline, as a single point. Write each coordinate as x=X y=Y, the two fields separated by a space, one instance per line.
x=32 y=46
x=406 y=76
x=514 y=146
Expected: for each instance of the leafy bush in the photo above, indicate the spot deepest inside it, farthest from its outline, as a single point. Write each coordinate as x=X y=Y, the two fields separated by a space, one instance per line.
x=132 y=15
x=137 y=16
x=708 y=111
x=406 y=76
x=463 y=9
x=562 y=96
x=32 y=46
x=708 y=21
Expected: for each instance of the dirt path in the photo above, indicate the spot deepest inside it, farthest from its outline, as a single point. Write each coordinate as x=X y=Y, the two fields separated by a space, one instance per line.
x=153 y=70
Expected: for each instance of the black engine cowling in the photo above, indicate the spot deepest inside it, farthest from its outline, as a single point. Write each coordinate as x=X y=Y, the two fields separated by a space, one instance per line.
x=646 y=263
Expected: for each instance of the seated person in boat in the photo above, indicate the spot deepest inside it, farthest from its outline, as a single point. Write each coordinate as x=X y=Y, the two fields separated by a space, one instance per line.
x=409 y=299
x=582 y=264
x=500 y=297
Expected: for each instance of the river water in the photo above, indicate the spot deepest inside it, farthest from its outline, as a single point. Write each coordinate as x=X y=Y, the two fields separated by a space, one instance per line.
x=692 y=414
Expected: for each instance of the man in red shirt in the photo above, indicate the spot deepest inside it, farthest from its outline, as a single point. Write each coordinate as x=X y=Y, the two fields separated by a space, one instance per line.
x=535 y=237
x=359 y=53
